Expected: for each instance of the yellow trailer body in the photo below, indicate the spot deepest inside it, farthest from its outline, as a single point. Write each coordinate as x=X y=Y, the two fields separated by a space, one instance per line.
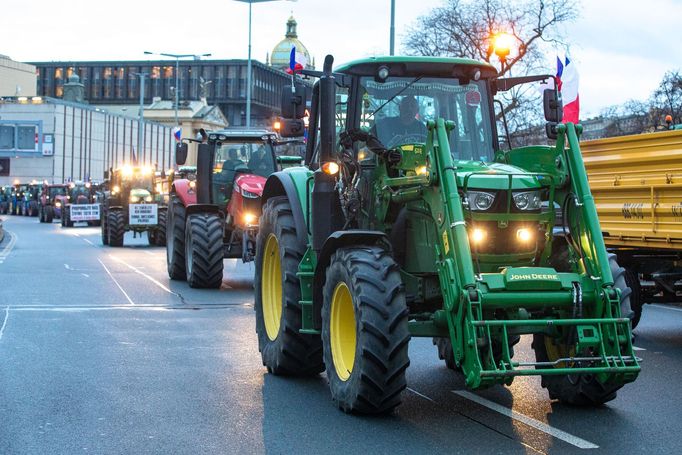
x=636 y=182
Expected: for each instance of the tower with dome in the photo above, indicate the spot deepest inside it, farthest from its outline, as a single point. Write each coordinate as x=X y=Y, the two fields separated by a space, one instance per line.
x=279 y=58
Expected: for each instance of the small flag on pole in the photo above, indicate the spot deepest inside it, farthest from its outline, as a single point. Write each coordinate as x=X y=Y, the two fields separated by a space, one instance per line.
x=297 y=61
x=177 y=133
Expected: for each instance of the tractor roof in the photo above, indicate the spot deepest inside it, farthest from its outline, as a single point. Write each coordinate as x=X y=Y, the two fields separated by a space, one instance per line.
x=416 y=66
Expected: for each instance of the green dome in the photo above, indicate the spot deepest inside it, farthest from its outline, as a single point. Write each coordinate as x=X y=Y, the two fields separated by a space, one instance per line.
x=282 y=51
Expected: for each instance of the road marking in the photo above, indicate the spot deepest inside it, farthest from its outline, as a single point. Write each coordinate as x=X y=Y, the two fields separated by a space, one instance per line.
x=667 y=307
x=548 y=429
x=636 y=348
x=85 y=275
x=421 y=395
x=8 y=248
x=4 y=323
x=67 y=267
x=138 y=271
x=116 y=282
x=89 y=242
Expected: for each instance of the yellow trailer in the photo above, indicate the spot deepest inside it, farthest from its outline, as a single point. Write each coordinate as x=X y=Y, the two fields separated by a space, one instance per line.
x=636 y=182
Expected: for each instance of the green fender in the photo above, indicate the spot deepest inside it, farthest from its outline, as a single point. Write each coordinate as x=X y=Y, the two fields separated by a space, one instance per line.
x=292 y=183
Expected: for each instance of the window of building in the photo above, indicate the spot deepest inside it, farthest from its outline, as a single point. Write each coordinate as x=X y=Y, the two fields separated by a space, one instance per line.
x=6 y=137
x=26 y=137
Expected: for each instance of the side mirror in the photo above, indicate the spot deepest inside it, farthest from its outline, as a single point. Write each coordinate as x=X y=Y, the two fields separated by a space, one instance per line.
x=293 y=101
x=180 y=153
x=291 y=127
x=553 y=107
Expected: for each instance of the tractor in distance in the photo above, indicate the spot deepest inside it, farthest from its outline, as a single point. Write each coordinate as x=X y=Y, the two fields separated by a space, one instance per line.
x=30 y=203
x=216 y=216
x=79 y=205
x=131 y=205
x=5 y=196
x=51 y=199
x=409 y=220
x=16 y=198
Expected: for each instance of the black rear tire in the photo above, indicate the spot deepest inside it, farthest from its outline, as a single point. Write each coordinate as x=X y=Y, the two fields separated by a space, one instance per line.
x=49 y=214
x=104 y=229
x=586 y=389
x=376 y=378
x=116 y=225
x=204 y=251
x=285 y=351
x=175 y=234
x=636 y=303
x=160 y=235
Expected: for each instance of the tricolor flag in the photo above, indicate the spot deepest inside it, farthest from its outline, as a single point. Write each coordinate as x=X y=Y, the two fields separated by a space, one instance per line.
x=297 y=61
x=568 y=79
x=177 y=133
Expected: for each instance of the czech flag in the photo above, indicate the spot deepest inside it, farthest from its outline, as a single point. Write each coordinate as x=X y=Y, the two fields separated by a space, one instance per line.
x=177 y=133
x=568 y=79
x=297 y=61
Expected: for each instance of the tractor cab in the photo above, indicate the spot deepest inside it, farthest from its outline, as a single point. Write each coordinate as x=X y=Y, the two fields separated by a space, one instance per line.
x=31 y=199
x=5 y=195
x=52 y=198
x=80 y=193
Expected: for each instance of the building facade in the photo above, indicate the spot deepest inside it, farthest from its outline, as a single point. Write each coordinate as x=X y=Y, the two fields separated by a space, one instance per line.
x=16 y=79
x=220 y=82
x=54 y=140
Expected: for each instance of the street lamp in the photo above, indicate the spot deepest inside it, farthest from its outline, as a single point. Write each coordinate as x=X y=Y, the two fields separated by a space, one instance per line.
x=140 y=122
x=501 y=44
x=177 y=58
x=248 y=64
x=392 y=32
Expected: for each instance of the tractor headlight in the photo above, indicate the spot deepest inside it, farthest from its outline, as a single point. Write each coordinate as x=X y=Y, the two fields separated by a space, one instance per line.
x=527 y=200
x=115 y=189
x=524 y=235
x=477 y=236
x=148 y=199
x=57 y=204
x=249 y=194
x=134 y=199
x=192 y=184
x=480 y=200
x=249 y=218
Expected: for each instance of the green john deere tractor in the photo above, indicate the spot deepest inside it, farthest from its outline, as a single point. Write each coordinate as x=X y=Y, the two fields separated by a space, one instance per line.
x=410 y=220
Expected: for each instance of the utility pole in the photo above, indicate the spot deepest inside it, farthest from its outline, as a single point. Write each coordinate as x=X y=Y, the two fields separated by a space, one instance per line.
x=140 y=122
x=392 y=32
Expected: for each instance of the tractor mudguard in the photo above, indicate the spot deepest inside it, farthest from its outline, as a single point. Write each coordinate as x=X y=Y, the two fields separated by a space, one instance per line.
x=182 y=190
x=285 y=184
x=336 y=240
x=201 y=208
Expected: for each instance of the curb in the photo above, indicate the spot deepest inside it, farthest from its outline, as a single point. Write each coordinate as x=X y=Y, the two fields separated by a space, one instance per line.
x=2 y=232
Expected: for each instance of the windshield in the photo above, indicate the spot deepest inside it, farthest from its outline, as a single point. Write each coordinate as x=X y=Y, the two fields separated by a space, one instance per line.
x=138 y=181
x=56 y=191
x=79 y=191
x=236 y=157
x=396 y=111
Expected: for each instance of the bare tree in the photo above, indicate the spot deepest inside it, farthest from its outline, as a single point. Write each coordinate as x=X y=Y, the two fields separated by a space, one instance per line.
x=464 y=28
x=667 y=98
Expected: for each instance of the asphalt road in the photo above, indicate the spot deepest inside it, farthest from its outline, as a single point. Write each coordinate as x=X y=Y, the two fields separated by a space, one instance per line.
x=101 y=353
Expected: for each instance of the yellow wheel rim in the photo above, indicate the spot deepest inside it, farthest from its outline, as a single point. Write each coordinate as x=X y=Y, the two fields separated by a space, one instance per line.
x=272 y=287
x=342 y=331
x=556 y=351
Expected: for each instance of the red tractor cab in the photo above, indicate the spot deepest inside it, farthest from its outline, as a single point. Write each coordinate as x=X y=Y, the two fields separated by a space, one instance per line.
x=216 y=216
x=52 y=198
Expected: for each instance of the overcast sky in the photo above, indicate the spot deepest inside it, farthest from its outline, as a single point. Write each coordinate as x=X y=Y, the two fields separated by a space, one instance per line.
x=621 y=48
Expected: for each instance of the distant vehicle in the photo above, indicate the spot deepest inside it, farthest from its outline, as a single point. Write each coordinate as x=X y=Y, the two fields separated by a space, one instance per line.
x=50 y=205
x=79 y=205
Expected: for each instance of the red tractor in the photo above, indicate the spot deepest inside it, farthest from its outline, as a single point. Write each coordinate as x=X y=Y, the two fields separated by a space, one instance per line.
x=52 y=196
x=216 y=216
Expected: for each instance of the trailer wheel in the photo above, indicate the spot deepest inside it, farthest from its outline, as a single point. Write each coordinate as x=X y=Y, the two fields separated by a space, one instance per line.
x=204 y=250
x=116 y=227
x=586 y=389
x=175 y=236
x=284 y=350
x=364 y=330
x=632 y=280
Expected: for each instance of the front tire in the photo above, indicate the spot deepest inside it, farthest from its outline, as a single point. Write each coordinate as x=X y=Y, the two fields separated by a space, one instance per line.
x=364 y=330
x=284 y=350
x=49 y=214
x=175 y=245
x=204 y=251
x=104 y=229
x=586 y=389
x=116 y=225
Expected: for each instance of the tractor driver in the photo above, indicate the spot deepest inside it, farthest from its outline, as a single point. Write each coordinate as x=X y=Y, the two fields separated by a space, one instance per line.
x=225 y=178
x=404 y=129
x=260 y=163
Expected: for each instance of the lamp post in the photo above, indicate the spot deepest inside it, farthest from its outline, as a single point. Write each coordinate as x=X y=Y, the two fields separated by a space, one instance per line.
x=177 y=58
x=392 y=32
x=140 y=122
x=501 y=44
x=248 y=64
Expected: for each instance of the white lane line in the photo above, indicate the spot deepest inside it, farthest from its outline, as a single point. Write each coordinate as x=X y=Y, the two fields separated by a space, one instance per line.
x=421 y=395
x=85 y=275
x=8 y=248
x=89 y=242
x=665 y=307
x=4 y=323
x=636 y=348
x=67 y=267
x=78 y=309
x=138 y=271
x=116 y=282
x=548 y=429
